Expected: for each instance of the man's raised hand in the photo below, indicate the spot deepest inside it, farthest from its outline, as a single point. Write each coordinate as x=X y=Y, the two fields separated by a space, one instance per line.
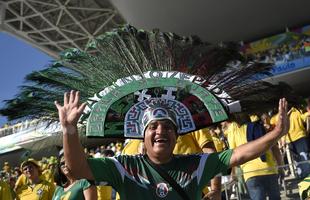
x=71 y=111
x=283 y=120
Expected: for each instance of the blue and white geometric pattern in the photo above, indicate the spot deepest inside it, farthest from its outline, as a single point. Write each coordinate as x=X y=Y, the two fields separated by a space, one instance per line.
x=134 y=127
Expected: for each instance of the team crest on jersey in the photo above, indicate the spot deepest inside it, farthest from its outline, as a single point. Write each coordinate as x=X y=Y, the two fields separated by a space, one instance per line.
x=40 y=192
x=162 y=190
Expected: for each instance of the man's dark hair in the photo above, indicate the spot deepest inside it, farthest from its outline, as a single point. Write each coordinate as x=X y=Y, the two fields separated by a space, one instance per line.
x=108 y=153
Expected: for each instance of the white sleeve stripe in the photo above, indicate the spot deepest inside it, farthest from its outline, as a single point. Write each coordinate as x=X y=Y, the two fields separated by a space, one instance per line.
x=124 y=173
x=203 y=159
x=119 y=167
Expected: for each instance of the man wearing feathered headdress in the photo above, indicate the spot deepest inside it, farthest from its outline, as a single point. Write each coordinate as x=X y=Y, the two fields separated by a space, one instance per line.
x=137 y=177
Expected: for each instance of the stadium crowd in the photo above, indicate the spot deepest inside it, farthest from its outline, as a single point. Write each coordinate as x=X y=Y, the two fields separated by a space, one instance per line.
x=283 y=53
x=18 y=183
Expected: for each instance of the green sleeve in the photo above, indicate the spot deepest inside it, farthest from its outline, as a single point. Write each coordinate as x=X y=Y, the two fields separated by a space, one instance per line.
x=84 y=184
x=106 y=170
x=56 y=192
x=224 y=158
x=216 y=163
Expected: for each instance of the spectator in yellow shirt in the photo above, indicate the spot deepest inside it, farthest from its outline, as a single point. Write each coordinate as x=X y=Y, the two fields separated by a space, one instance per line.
x=35 y=188
x=217 y=140
x=260 y=174
x=5 y=191
x=6 y=167
x=297 y=140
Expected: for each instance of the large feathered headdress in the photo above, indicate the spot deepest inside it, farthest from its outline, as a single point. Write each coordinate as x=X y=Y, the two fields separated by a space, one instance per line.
x=126 y=69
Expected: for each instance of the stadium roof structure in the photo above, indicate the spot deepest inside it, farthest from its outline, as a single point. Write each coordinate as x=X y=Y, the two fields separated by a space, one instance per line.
x=217 y=21
x=55 y=25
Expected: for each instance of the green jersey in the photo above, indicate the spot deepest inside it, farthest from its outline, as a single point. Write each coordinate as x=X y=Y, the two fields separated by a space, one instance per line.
x=133 y=178
x=74 y=193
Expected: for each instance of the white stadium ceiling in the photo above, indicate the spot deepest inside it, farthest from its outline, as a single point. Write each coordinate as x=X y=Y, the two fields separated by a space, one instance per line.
x=55 y=25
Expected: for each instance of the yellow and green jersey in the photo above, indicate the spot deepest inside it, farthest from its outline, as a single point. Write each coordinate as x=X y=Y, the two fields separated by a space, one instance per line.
x=297 y=129
x=193 y=142
x=41 y=191
x=190 y=143
x=5 y=191
x=238 y=136
x=74 y=193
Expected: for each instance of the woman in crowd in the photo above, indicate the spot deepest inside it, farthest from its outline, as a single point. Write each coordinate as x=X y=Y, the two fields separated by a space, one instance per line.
x=70 y=188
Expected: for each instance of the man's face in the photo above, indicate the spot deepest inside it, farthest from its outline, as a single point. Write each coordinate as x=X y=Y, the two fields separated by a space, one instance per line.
x=160 y=138
x=31 y=171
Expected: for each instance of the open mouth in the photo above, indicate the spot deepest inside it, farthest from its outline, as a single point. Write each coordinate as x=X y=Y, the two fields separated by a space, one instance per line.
x=161 y=141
